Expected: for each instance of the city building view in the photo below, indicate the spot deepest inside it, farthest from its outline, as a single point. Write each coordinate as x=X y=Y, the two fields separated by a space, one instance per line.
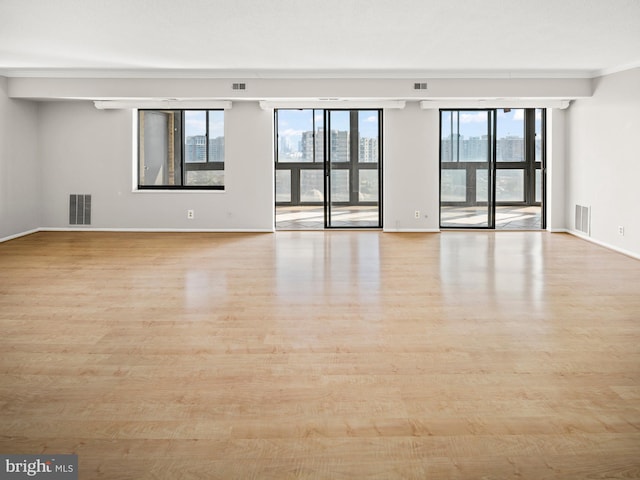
x=353 y=155
x=457 y=148
x=307 y=146
x=195 y=150
x=301 y=138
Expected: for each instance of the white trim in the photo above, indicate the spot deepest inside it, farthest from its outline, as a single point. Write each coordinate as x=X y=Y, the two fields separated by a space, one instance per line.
x=284 y=74
x=162 y=103
x=411 y=230
x=332 y=103
x=18 y=235
x=413 y=74
x=619 y=68
x=494 y=103
x=557 y=230
x=260 y=230
x=628 y=253
x=159 y=230
x=137 y=190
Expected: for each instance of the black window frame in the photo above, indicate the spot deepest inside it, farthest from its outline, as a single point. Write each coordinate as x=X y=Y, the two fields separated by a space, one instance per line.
x=184 y=166
x=530 y=165
x=354 y=165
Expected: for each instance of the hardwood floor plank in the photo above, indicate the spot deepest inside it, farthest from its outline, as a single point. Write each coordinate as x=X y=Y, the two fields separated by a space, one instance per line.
x=322 y=355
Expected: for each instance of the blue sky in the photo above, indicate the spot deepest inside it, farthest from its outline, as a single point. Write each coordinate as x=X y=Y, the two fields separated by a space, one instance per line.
x=196 y=123
x=292 y=123
x=474 y=124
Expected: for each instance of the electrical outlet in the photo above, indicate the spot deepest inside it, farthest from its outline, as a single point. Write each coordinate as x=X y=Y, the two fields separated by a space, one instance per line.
x=417 y=214
x=190 y=214
x=620 y=230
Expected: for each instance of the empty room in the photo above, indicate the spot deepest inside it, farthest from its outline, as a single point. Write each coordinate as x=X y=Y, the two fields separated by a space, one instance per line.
x=345 y=239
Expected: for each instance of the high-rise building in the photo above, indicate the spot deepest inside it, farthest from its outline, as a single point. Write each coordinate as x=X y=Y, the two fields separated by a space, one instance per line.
x=319 y=145
x=449 y=148
x=475 y=149
x=196 y=149
x=510 y=149
x=339 y=146
x=368 y=150
x=306 y=147
x=216 y=149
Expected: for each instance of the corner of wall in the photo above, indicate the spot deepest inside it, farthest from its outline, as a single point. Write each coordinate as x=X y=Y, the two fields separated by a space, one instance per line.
x=602 y=168
x=19 y=166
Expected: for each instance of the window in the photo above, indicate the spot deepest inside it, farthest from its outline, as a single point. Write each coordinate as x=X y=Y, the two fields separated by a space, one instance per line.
x=491 y=168
x=510 y=133
x=328 y=162
x=299 y=156
x=181 y=149
x=300 y=136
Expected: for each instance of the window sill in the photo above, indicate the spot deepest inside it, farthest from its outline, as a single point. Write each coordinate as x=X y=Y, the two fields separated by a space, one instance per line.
x=178 y=190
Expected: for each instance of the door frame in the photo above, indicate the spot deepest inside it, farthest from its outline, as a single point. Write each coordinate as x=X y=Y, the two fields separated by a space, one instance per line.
x=471 y=168
x=353 y=167
x=530 y=167
x=325 y=165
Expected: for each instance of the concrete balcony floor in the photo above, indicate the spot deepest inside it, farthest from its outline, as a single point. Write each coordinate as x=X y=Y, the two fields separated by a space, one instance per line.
x=312 y=217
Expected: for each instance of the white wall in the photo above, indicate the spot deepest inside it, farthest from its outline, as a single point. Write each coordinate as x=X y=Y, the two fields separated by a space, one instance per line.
x=603 y=162
x=411 y=169
x=305 y=88
x=85 y=150
x=62 y=147
x=19 y=171
x=89 y=151
x=556 y=169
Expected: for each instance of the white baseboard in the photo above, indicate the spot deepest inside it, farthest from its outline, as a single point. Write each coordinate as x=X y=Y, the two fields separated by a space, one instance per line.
x=258 y=230
x=411 y=230
x=628 y=253
x=157 y=230
x=18 y=235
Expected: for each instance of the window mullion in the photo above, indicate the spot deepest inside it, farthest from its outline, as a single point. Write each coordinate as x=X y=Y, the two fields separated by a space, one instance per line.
x=206 y=138
x=183 y=141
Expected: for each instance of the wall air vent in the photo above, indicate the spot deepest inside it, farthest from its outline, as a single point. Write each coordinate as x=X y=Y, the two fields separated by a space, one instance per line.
x=239 y=86
x=583 y=219
x=419 y=86
x=79 y=209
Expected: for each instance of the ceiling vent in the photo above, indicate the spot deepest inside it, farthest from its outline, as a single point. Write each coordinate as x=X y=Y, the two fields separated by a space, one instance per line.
x=420 y=86
x=239 y=86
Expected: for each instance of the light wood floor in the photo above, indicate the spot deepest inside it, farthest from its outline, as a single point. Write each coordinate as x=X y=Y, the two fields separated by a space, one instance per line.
x=334 y=355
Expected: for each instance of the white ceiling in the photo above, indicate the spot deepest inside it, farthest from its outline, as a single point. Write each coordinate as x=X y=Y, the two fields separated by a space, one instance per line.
x=319 y=37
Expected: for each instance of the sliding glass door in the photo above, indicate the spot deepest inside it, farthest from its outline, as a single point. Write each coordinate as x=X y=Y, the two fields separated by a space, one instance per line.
x=352 y=169
x=328 y=169
x=492 y=171
x=467 y=145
